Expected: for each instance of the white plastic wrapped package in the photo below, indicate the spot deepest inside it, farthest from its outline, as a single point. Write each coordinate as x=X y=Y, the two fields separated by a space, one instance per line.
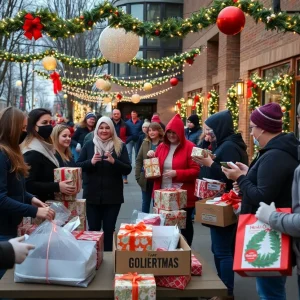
x=58 y=258
x=149 y=219
x=166 y=237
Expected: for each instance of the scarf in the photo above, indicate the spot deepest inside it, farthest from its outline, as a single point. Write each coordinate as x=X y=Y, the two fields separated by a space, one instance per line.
x=102 y=146
x=44 y=148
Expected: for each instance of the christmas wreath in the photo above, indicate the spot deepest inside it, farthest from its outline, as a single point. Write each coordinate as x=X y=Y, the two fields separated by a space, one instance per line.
x=254 y=245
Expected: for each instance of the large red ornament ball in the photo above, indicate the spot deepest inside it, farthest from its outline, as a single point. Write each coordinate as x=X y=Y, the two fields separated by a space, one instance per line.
x=157 y=32
x=173 y=81
x=231 y=20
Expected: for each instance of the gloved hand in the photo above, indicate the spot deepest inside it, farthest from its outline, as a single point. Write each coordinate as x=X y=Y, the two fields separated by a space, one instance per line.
x=21 y=249
x=264 y=212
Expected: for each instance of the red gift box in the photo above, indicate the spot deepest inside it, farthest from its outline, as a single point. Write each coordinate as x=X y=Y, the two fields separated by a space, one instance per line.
x=26 y=229
x=206 y=188
x=261 y=251
x=173 y=282
x=196 y=266
x=96 y=236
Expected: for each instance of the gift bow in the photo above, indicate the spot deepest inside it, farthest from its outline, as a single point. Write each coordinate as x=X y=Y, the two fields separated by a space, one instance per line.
x=135 y=228
x=57 y=86
x=232 y=199
x=32 y=27
x=134 y=278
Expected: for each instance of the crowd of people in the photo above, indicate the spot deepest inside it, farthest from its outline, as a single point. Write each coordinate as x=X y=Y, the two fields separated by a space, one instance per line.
x=103 y=147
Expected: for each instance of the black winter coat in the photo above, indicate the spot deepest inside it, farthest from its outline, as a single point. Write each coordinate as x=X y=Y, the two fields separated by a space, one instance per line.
x=7 y=255
x=229 y=147
x=79 y=136
x=103 y=183
x=40 y=181
x=69 y=164
x=15 y=202
x=270 y=175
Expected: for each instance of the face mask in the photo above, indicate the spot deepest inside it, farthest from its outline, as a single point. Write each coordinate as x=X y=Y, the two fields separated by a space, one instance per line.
x=22 y=137
x=45 y=131
x=255 y=140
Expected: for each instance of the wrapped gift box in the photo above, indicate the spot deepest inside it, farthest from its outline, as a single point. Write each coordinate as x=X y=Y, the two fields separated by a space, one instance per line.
x=62 y=174
x=95 y=236
x=170 y=199
x=26 y=221
x=135 y=237
x=151 y=168
x=133 y=286
x=173 y=282
x=196 y=266
x=207 y=188
x=199 y=152
x=26 y=229
x=261 y=251
x=174 y=217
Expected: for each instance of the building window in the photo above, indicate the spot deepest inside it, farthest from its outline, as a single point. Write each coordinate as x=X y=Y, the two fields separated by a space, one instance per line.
x=137 y=11
x=153 y=12
x=134 y=71
x=268 y=74
x=173 y=11
x=153 y=42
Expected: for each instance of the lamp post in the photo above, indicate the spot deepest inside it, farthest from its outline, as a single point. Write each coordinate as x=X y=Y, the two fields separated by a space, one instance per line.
x=240 y=87
x=17 y=93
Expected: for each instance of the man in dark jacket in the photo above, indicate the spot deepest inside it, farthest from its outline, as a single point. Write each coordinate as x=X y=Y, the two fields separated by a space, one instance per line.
x=227 y=146
x=269 y=178
x=193 y=130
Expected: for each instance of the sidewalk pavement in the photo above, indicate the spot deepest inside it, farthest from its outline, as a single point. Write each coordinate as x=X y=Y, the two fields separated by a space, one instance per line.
x=244 y=287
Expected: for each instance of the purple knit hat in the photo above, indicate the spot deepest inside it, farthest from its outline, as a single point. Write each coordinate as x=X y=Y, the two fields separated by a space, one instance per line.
x=268 y=117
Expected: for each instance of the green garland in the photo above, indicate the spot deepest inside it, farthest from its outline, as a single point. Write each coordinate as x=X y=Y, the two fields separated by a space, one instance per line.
x=181 y=108
x=284 y=84
x=199 y=108
x=232 y=105
x=213 y=105
x=264 y=260
x=57 y=27
x=164 y=63
x=91 y=81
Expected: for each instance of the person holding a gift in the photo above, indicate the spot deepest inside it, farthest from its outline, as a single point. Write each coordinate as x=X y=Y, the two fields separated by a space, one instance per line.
x=15 y=202
x=177 y=166
x=104 y=160
x=193 y=130
x=39 y=154
x=227 y=146
x=269 y=177
x=61 y=137
x=154 y=138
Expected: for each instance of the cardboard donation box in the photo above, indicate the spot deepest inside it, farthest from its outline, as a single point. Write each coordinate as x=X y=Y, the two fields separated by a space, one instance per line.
x=62 y=174
x=151 y=168
x=177 y=262
x=212 y=214
x=261 y=251
x=173 y=217
x=134 y=286
x=95 y=236
x=170 y=199
x=208 y=188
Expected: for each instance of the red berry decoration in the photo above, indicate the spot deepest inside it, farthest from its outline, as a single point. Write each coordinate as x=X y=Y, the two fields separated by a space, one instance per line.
x=116 y=13
x=157 y=32
x=231 y=20
x=81 y=17
x=90 y=23
x=173 y=81
x=189 y=60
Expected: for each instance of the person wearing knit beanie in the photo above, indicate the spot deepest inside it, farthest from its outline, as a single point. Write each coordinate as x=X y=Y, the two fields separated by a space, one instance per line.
x=193 y=130
x=155 y=118
x=267 y=183
x=90 y=115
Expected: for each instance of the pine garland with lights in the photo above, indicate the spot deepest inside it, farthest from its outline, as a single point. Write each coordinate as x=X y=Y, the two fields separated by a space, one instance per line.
x=232 y=105
x=57 y=27
x=284 y=84
x=213 y=105
x=162 y=64
x=199 y=108
x=181 y=107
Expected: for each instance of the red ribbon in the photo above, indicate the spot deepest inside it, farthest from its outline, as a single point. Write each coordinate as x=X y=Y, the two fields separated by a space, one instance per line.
x=134 y=278
x=32 y=27
x=78 y=235
x=135 y=228
x=57 y=86
x=250 y=85
x=231 y=198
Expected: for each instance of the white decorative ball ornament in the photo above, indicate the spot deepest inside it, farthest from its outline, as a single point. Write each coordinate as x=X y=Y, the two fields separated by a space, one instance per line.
x=49 y=63
x=65 y=96
x=117 y=46
x=106 y=100
x=147 y=86
x=18 y=83
x=107 y=86
x=135 y=98
x=102 y=84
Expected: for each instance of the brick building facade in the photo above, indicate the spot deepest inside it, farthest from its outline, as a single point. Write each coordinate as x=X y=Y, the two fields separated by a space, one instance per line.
x=228 y=58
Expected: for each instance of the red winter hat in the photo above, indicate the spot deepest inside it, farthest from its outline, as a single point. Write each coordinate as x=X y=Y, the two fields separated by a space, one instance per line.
x=268 y=117
x=155 y=118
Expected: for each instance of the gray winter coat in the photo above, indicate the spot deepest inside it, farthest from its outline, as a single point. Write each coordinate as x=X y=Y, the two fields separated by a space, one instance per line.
x=290 y=223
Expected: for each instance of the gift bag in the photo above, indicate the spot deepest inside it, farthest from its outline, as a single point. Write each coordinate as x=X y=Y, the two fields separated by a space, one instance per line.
x=58 y=258
x=260 y=250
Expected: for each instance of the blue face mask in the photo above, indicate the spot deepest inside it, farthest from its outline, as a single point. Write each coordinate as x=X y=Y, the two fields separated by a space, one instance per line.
x=256 y=142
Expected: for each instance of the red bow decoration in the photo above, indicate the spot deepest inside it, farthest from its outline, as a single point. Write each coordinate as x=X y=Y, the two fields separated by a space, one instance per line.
x=57 y=86
x=232 y=199
x=32 y=27
x=119 y=96
x=179 y=105
x=250 y=85
x=208 y=95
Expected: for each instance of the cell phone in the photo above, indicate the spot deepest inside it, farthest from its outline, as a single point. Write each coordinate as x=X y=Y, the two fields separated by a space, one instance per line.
x=104 y=157
x=224 y=164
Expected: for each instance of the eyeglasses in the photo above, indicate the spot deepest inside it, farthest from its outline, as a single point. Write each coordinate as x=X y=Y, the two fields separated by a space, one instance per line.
x=250 y=127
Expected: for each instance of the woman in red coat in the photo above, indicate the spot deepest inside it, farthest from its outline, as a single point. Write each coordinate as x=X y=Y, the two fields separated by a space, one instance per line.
x=177 y=166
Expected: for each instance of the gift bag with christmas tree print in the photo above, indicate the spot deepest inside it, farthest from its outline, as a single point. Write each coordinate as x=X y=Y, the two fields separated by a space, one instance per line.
x=261 y=251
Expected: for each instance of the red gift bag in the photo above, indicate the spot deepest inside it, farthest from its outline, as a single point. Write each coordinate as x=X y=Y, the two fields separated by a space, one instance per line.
x=260 y=250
